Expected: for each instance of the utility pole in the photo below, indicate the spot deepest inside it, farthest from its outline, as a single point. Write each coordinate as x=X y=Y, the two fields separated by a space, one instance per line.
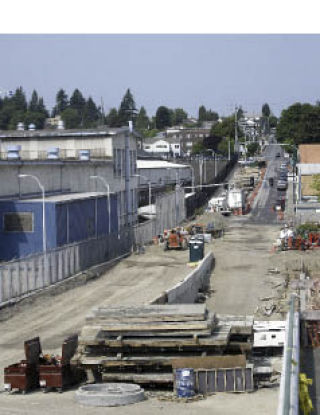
x=102 y=111
x=236 y=130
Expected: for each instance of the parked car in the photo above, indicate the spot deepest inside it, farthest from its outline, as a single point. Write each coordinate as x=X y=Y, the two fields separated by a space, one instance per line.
x=282 y=185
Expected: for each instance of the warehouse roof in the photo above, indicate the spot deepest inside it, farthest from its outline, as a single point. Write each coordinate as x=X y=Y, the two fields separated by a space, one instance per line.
x=93 y=132
x=159 y=164
x=67 y=197
x=309 y=153
x=308 y=169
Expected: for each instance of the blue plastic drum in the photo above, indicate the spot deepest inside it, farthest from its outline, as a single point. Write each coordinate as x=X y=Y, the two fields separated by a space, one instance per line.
x=184 y=379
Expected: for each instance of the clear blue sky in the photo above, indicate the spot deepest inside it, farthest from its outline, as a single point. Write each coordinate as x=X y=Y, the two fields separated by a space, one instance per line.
x=186 y=71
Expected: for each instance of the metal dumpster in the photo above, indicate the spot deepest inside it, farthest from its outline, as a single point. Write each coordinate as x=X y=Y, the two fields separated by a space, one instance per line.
x=196 y=249
x=56 y=371
x=24 y=375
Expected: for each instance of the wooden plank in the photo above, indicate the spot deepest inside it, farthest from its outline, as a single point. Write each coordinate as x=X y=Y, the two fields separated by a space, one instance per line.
x=127 y=361
x=149 y=310
x=140 y=378
x=155 y=326
x=210 y=362
x=101 y=335
x=143 y=319
x=216 y=340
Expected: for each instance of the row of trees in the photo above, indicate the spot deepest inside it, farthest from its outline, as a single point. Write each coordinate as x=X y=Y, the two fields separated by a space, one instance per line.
x=76 y=111
x=15 y=109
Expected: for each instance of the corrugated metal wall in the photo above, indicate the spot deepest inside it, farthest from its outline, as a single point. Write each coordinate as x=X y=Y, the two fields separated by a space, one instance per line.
x=66 y=222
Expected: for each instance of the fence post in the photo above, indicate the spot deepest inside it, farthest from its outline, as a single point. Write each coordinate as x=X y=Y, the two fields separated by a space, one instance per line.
x=1 y=285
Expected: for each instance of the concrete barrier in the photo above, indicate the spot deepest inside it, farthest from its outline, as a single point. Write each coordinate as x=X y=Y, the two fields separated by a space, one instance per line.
x=186 y=291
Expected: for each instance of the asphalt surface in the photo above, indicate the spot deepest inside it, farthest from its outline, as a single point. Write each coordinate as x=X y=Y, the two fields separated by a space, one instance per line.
x=262 y=211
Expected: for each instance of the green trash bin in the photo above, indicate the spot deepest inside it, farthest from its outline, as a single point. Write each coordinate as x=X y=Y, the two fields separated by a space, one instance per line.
x=196 y=250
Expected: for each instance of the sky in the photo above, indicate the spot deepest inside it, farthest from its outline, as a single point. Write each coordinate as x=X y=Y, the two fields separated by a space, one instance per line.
x=215 y=70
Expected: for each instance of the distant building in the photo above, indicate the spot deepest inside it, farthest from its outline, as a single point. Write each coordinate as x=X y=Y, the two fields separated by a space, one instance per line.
x=307 y=168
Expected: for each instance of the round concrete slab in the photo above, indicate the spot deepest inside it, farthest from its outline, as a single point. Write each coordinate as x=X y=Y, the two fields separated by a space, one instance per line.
x=109 y=394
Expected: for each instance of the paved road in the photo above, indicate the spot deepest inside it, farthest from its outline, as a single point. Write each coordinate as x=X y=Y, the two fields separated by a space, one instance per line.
x=262 y=211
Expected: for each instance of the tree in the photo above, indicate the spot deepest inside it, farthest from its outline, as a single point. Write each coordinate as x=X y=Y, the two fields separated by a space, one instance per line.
x=19 y=100
x=36 y=118
x=91 y=114
x=179 y=115
x=127 y=108
x=163 y=118
x=299 y=123
x=202 y=114
x=112 y=118
x=33 y=104
x=71 y=118
x=223 y=146
x=77 y=101
x=142 y=121
x=252 y=149
x=62 y=103
x=225 y=128
x=212 y=116
x=265 y=110
x=198 y=148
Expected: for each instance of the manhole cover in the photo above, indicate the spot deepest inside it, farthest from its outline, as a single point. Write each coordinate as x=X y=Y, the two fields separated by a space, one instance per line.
x=109 y=394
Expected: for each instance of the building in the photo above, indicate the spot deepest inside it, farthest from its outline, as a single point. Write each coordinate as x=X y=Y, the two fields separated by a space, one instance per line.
x=65 y=160
x=307 y=168
x=68 y=219
x=308 y=208
x=175 y=142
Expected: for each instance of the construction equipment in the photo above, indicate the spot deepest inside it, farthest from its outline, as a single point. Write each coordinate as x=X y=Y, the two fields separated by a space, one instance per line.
x=196 y=229
x=175 y=239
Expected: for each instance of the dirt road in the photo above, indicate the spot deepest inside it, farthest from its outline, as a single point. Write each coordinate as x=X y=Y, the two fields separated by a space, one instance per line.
x=135 y=280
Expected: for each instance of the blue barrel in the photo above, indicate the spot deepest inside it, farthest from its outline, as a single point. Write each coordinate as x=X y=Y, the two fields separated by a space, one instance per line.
x=184 y=380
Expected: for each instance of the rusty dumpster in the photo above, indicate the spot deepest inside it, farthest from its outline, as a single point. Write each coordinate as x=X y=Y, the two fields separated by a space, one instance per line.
x=24 y=375
x=55 y=372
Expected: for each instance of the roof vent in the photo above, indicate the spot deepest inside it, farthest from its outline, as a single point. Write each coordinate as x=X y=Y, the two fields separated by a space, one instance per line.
x=53 y=153
x=20 y=126
x=31 y=127
x=60 y=125
x=84 y=155
x=14 y=152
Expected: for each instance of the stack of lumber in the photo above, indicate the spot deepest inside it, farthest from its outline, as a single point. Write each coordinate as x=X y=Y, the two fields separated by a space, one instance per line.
x=140 y=343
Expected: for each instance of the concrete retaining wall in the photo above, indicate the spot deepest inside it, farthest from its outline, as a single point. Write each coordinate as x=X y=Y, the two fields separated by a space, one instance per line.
x=186 y=291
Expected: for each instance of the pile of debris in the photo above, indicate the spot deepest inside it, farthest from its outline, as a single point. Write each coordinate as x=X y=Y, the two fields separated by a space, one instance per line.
x=139 y=344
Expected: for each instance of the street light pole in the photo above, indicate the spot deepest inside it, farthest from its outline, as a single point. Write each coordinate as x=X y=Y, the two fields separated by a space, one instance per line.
x=44 y=232
x=192 y=178
x=103 y=181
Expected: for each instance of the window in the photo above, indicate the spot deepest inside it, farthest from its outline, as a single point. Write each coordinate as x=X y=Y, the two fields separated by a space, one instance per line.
x=161 y=146
x=147 y=147
x=18 y=222
x=176 y=146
